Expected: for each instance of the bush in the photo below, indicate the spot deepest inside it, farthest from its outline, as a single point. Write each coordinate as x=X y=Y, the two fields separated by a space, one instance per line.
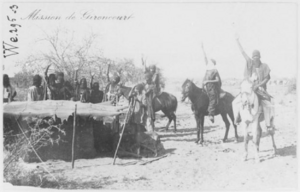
x=17 y=146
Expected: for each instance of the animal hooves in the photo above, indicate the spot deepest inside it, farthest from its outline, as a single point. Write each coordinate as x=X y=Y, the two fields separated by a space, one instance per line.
x=257 y=160
x=224 y=140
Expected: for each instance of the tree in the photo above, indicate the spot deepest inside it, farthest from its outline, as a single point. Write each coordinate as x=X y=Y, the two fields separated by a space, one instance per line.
x=66 y=53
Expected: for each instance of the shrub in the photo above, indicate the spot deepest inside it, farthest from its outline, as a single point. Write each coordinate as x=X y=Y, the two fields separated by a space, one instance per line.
x=18 y=144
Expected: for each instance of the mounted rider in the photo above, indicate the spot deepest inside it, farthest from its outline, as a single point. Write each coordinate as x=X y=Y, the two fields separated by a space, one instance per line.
x=211 y=84
x=152 y=90
x=259 y=74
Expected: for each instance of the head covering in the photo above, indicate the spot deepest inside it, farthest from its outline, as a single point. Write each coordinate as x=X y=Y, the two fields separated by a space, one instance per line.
x=37 y=80
x=96 y=86
x=211 y=64
x=51 y=78
x=152 y=67
x=213 y=61
x=256 y=53
x=139 y=87
x=6 y=82
x=116 y=77
x=148 y=76
x=60 y=74
x=83 y=83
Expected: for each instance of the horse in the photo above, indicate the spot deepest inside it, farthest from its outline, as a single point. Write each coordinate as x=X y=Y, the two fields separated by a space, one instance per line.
x=251 y=115
x=165 y=102
x=200 y=103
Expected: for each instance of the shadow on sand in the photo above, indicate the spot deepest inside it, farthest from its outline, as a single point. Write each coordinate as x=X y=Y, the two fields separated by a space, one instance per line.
x=181 y=133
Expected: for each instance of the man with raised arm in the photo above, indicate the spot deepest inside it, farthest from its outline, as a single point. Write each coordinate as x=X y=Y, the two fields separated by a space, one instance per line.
x=212 y=85
x=259 y=74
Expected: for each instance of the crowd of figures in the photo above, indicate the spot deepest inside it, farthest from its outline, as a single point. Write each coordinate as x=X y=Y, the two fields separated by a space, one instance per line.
x=211 y=100
x=54 y=87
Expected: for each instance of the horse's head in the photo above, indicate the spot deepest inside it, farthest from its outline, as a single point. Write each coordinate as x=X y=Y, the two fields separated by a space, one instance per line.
x=186 y=89
x=249 y=101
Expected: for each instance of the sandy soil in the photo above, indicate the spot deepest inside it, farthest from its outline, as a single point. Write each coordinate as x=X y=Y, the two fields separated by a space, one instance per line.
x=214 y=166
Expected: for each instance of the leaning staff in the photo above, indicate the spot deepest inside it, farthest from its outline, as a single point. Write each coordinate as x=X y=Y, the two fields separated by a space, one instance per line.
x=128 y=114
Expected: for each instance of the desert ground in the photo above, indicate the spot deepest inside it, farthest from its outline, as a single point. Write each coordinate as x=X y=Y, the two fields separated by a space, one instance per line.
x=212 y=166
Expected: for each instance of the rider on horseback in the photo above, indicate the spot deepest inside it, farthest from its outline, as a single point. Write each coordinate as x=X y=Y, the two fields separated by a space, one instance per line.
x=212 y=85
x=258 y=73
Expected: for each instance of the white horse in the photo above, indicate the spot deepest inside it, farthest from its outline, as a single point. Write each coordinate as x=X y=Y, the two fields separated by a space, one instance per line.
x=251 y=114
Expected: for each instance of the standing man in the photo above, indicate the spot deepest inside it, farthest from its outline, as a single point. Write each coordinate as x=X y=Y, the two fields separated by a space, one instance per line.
x=259 y=74
x=60 y=81
x=212 y=85
x=8 y=91
x=96 y=94
x=36 y=91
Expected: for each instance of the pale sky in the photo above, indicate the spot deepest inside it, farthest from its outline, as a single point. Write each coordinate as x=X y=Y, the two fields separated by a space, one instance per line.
x=170 y=34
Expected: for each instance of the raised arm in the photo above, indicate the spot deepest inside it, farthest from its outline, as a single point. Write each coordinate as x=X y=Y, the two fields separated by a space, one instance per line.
x=144 y=64
x=241 y=49
x=46 y=72
x=205 y=58
x=107 y=73
x=92 y=78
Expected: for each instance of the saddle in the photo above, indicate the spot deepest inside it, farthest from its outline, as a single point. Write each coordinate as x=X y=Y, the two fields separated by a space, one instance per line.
x=263 y=95
x=222 y=93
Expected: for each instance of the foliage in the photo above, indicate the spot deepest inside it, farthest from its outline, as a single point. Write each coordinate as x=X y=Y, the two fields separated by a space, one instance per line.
x=17 y=146
x=22 y=79
x=67 y=52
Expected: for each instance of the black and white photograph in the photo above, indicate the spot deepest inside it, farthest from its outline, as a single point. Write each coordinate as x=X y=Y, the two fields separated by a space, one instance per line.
x=150 y=95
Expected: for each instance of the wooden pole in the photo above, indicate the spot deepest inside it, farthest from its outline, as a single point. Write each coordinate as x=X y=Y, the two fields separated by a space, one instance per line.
x=73 y=139
x=125 y=122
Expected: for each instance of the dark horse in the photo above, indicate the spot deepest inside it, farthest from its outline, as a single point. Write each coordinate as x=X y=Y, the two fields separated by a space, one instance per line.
x=200 y=103
x=165 y=102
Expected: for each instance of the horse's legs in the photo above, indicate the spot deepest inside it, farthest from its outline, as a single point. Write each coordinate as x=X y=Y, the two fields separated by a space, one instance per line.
x=169 y=117
x=256 y=140
x=174 y=119
x=227 y=124
x=234 y=125
x=201 y=125
x=246 y=139
x=198 y=128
